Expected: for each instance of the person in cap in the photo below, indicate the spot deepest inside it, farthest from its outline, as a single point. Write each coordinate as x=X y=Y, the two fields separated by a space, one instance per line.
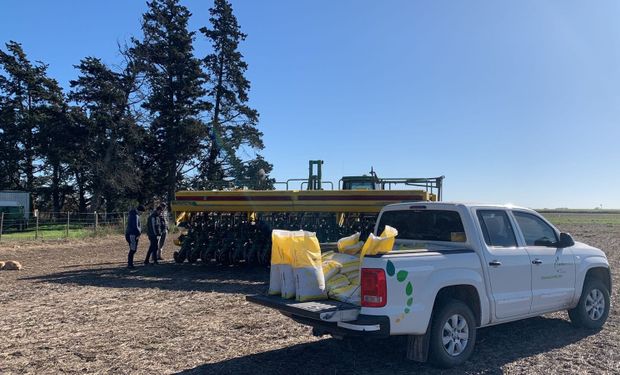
x=164 y=230
x=133 y=232
x=153 y=230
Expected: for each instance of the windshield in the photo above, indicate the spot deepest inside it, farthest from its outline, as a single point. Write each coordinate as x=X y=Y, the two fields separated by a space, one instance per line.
x=425 y=225
x=359 y=185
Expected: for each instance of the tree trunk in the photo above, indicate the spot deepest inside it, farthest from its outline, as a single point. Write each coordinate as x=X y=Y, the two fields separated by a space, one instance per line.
x=79 y=179
x=104 y=172
x=171 y=183
x=109 y=202
x=95 y=199
x=214 y=152
x=56 y=188
x=29 y=153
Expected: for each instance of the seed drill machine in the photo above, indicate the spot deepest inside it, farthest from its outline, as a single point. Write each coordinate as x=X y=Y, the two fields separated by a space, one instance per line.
x=234 y=226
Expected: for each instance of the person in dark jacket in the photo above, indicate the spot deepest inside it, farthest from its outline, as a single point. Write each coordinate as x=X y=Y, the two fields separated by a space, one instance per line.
x=164 y=230
x=153 y=230
x=133 y=232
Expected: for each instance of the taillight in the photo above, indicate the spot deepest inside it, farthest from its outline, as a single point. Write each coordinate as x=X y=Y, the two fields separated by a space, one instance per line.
x=374 y=287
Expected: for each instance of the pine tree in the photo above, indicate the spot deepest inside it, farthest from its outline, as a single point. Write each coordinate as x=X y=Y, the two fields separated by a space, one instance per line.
x=30 y=100
x=255 y=174
x=175 y=91
x=79 y=165
x=233 y=122
x=9 y=149
x=106 y=155
x=55 y=141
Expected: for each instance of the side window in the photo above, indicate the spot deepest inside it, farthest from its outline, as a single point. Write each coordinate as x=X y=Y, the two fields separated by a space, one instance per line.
x=496 y=228
x=535 y=230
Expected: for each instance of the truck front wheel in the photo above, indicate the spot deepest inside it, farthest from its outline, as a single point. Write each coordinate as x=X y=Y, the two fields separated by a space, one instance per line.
x=593 y=307
x=453 y=334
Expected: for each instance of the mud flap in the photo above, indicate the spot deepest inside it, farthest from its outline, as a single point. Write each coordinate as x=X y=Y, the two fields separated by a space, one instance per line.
x=417 y=347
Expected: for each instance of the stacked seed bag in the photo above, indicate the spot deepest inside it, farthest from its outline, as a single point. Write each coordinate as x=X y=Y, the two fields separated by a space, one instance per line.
x=307 y=267
x=380 y=245
x=281 y=278
x=350 y=245
x=296 y=269
x=342 y=269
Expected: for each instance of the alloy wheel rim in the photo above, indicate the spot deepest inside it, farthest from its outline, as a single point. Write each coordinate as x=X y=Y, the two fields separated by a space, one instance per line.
x=595 y=304
x=455 y=335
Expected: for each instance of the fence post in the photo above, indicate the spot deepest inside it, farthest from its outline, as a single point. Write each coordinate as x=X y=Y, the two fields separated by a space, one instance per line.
x=68 y=213
x=124 y=223
x=36 y=231
x=96 y=222
x=1 y=225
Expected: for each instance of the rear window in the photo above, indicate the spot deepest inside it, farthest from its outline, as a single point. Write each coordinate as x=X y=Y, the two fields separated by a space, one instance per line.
x=425 y=225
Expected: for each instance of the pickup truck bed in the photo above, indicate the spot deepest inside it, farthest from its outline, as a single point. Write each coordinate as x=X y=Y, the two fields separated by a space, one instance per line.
x=328 y=316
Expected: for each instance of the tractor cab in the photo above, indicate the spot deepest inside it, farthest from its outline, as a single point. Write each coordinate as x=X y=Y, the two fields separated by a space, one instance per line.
x=360 y=183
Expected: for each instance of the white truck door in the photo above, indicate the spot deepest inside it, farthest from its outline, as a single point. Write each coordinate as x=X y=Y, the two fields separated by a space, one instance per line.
x=553 y=268
x=509 y=266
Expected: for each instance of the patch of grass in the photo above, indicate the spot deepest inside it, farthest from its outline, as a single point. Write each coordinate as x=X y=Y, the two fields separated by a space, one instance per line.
x=561 y=218
x=58 y=232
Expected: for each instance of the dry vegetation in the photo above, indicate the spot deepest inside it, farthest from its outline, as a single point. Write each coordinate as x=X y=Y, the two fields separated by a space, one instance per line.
x=74 y=308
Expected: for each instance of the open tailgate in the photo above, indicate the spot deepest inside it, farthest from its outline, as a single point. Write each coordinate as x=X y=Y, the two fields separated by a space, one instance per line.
x=326 y=311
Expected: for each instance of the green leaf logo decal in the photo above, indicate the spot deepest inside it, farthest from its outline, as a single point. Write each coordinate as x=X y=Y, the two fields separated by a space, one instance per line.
x=401 y=276
x=390 y=268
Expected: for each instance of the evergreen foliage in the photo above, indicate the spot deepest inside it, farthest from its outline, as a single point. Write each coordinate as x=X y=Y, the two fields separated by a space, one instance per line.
x=233 y=122
x=175 y=90
x=165 y=120
x=109 y=166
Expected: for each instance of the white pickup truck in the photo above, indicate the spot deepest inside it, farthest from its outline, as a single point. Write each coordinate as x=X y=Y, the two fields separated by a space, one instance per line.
x=456 y=267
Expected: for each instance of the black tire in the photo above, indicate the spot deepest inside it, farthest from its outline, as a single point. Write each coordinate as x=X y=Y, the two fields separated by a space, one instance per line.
x=439 y=355
x=584 y=314
x=177 y=257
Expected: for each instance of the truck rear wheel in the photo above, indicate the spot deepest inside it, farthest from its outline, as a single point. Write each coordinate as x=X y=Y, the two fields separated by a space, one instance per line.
x=593 y=307
x=453 y=334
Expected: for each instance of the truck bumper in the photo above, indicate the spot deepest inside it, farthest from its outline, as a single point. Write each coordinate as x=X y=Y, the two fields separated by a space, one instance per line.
x=370 y=326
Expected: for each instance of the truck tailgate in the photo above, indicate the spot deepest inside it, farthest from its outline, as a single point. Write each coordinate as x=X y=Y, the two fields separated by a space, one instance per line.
x=326 y=311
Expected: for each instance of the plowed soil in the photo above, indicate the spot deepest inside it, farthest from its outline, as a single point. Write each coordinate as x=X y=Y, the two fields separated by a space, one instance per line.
x=75 y=308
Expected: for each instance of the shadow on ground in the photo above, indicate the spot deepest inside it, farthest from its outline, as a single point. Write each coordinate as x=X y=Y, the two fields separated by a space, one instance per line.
x=495 y=347
x=167 y=276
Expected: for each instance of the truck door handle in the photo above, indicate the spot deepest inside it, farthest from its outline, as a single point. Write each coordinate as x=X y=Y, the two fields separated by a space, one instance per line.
x=495 y=263
x=537 y=261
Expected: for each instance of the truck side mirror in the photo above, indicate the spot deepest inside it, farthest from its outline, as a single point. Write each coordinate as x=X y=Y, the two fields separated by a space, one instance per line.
x=566 y=240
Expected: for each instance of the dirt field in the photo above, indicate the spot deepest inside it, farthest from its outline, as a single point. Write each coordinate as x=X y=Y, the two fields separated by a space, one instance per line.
x=76 y=309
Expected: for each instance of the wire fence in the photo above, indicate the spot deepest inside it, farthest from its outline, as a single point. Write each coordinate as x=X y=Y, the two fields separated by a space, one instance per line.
x=60 y=225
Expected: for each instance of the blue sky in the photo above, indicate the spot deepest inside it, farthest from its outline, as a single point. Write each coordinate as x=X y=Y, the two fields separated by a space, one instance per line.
x=514 y=101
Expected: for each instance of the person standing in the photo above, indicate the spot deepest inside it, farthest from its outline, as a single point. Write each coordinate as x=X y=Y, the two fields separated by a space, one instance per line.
x=164 y=230
x=133 y=232
x=153 y=230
